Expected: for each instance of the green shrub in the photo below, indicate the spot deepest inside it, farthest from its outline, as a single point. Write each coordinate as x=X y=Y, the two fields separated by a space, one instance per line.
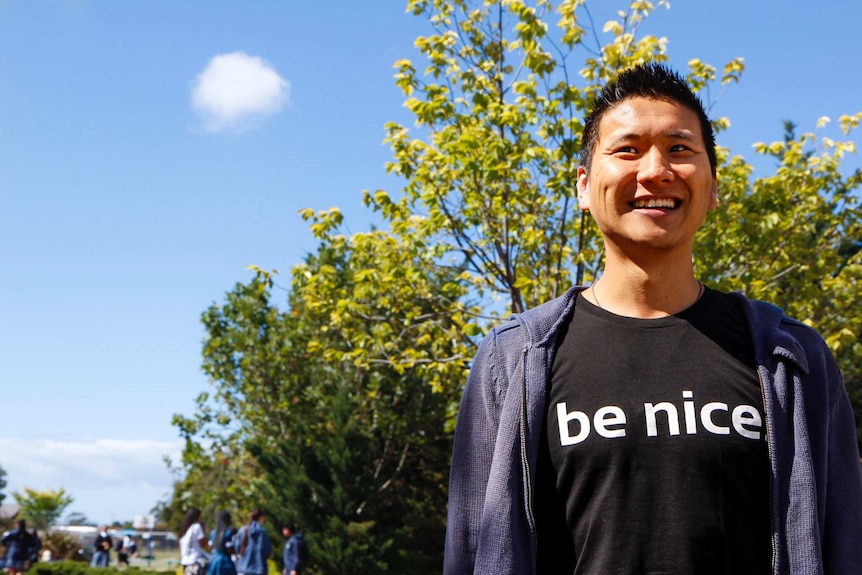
x=79 y=568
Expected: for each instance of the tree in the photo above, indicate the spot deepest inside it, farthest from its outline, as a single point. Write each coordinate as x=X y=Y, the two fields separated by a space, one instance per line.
x=213 y=479
x=490 y=178
x=42 y=508
x=356 y=452
x=490 y=174
x=77 y=518
x=383 y=340
x=2 y=484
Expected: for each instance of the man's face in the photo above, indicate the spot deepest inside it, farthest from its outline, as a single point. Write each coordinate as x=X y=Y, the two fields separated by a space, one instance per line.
x=650 y=183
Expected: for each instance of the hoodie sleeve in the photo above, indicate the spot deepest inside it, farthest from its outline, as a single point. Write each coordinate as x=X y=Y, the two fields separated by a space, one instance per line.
x=237 y=539
x=822 y=454
x=473 y=450
x=842 y=512
x=301 y=553
x=266 y=545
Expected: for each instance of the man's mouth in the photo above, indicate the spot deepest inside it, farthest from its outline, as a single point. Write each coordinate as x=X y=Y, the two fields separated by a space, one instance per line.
x=666 y=203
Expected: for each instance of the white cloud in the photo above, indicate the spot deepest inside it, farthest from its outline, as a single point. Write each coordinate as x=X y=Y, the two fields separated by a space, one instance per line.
x=107 y=478
x=235 y=90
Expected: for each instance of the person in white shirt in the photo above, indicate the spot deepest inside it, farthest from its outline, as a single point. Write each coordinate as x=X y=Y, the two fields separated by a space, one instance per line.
x=194 y=556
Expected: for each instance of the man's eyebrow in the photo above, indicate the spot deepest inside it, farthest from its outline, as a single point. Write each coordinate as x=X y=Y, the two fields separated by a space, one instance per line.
x=617 y=139
x=682 y=135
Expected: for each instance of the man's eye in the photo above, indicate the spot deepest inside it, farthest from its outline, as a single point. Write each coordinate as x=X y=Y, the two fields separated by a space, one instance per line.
x=626 y=150
x=679 y=148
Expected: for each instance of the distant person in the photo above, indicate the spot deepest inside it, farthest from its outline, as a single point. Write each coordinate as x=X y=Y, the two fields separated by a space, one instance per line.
x=102 y=548
x=253 y=546
x=35 y=547
x=123 y=546
x=132 y=548
x=193 y=544
x=295 y=550
x=46 y=556
x=222 y=538
x=19 y=545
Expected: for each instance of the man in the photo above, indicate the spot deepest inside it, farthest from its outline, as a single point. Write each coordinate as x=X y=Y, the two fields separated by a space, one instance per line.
x=295 y=551
x=649 y=424
x=101 y=548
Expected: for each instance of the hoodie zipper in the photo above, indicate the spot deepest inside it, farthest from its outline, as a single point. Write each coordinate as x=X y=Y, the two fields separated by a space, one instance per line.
x=770 y=456
x=531 y=519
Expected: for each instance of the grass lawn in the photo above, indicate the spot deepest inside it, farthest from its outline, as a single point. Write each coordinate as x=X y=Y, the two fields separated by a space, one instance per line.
x=163 y=560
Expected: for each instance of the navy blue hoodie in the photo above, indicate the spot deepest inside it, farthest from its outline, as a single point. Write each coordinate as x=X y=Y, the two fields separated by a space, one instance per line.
x=816 y=475
x=258 y=548
x=294 y=554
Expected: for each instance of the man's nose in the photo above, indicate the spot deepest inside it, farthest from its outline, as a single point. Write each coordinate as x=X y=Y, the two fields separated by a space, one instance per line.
x=655 y=167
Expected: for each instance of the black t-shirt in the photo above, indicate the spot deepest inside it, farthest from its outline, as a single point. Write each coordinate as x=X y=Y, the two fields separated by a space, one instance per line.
x=654 y=456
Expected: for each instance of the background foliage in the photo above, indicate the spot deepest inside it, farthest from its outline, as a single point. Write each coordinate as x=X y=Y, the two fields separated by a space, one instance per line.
x=42 y=509
x=78 y=568
x=335 y=407
x=2 y=485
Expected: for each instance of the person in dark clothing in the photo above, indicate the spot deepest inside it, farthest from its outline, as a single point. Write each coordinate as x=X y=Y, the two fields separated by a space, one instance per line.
x=122 y=552
x=222 y=542
x=19 y=548
x=648 y=423
x=102 y=548
x=35 y=548
x=295 y=550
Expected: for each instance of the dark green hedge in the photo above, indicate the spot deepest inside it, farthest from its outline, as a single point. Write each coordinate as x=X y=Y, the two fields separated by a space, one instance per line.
x=79 y=568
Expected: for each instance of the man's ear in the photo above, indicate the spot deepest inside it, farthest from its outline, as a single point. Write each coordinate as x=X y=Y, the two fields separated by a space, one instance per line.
x=713 y=195
x=583 y=189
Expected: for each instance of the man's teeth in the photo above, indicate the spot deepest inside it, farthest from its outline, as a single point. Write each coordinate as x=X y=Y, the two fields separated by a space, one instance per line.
x=655 y=203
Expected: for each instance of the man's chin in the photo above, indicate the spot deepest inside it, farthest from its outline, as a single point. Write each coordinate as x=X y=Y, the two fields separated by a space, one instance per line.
x=658 y=241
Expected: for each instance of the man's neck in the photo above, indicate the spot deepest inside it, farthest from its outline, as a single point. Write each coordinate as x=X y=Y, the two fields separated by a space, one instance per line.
x=654 y=287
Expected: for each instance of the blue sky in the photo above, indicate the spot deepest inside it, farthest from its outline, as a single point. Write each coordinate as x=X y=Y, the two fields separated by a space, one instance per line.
x=137 y=183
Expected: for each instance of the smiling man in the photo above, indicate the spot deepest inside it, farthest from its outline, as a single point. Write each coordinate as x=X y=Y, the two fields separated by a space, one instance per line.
x=649 y=424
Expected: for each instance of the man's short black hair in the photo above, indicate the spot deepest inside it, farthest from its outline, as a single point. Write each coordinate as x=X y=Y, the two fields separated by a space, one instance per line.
x=651 y=81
